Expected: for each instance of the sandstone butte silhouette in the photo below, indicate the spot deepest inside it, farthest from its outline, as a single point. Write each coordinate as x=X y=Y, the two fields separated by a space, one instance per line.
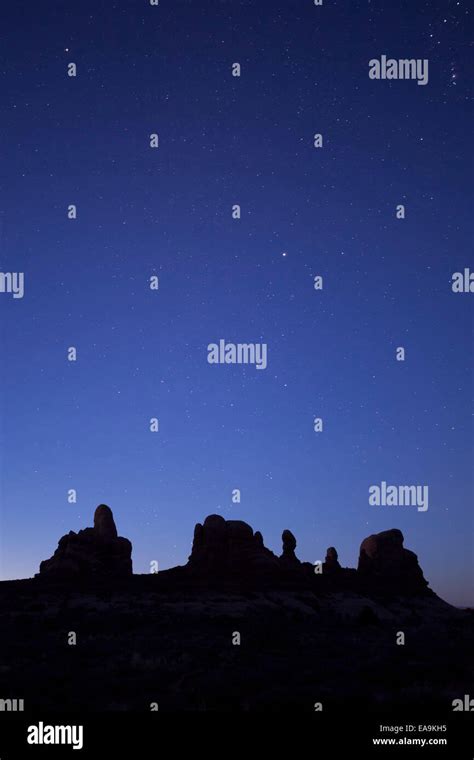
x=230 y=551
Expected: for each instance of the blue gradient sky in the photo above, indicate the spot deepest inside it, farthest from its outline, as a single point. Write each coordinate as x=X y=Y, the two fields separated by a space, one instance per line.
x=142 y=354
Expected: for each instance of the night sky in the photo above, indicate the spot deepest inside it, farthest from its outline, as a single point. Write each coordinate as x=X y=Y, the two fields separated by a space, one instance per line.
x=167 y=211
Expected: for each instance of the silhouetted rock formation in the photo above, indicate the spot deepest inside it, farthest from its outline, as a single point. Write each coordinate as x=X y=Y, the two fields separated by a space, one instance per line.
x=229 y=551
x=331 y=564
x=288 y=556
x=227 y=547
x=104 y=525
x=384 y=561
x=96 y=551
